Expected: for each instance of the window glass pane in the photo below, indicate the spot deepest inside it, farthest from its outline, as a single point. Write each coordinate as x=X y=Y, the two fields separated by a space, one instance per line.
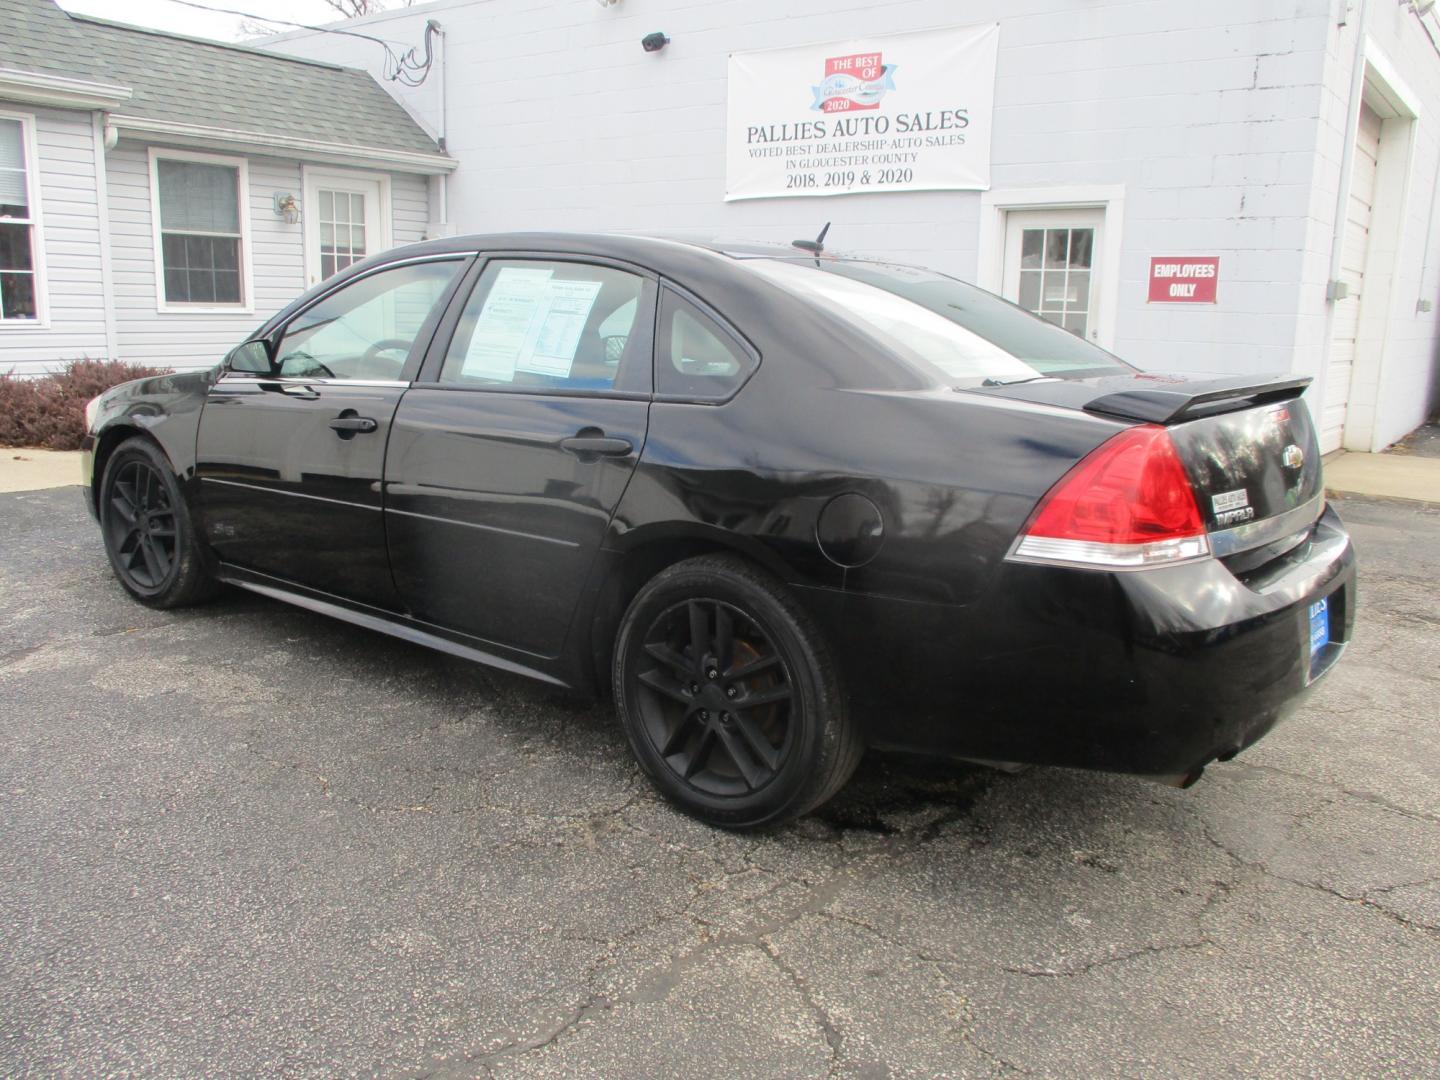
x=177 y=286
x=364 y=330
x=1055 y=292
x=13 y=201
x=1030 y=290
x=1082 y=243
x=199 y=198
x=15 y=247
x=695 y=357
x=544 y=325
x=17 y=296
x=201 y=269
x=202 y=285
x=227 y=286
x=1031 y=243
x=961 y=334
x=12 y=144
x=1057 y=247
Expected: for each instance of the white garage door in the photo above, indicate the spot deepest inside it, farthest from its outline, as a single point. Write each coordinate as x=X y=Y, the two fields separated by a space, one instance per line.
x=1346 y=326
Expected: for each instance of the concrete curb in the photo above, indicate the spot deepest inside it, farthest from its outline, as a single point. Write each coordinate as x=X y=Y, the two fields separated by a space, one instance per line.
x=24 y=469
x=1385 y=476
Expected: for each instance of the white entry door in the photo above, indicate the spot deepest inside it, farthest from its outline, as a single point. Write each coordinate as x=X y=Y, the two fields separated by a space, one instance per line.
x=347 y=219
x=1345 y=327
x=1052 y=266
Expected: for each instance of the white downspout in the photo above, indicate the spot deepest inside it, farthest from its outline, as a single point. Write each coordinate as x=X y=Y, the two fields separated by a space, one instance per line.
x=444 y=186
x=98 y=134
x=1347 y=158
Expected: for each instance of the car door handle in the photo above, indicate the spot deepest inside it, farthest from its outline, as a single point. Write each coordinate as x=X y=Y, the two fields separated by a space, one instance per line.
x=596 y=444
x=353 y=424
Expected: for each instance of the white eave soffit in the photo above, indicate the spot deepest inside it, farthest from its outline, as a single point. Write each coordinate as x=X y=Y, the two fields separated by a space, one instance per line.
x=273 y=145
x=35 y=88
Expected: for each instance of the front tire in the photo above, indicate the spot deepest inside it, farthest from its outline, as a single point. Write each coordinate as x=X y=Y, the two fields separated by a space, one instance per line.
x=730 y=697
x=148 y=534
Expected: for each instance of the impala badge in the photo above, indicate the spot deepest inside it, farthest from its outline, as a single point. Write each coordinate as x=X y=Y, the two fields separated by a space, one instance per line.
x=1232 y=507
x=1293 y=457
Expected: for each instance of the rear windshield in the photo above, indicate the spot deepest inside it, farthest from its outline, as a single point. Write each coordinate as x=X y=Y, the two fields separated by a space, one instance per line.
x=963 y=335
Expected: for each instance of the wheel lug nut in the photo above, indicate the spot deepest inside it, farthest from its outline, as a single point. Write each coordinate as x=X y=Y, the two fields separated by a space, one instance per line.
x=694 y=688
x=704 y=714
x=712 y=674
x=724 y=718
x=730 y=691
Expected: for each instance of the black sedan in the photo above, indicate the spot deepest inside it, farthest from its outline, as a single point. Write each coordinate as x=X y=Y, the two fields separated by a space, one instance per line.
x=782 y=505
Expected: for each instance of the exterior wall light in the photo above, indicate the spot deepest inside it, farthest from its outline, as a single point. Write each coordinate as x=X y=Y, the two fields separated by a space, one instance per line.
x=286 y=207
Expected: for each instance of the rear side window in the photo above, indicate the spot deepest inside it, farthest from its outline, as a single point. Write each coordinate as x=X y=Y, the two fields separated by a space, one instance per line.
x=695 y=357
x=534 y=324
x=960 y=334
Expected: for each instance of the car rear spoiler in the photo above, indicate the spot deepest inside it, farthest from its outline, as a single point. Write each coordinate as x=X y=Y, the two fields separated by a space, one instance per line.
x=1190 y=400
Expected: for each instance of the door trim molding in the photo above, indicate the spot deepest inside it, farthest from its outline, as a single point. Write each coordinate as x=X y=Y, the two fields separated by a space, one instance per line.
x=292 y=494
x=382 y=621
x=1110 y=198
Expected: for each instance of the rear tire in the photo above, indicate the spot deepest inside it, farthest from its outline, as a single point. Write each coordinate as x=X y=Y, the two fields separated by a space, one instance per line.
x=730 y=696
x=147 y=530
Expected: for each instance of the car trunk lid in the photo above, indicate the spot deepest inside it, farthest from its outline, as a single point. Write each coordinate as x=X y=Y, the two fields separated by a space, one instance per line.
x=1249 y=445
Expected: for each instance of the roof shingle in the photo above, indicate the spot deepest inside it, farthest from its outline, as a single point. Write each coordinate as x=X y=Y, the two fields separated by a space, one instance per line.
x=210 y=84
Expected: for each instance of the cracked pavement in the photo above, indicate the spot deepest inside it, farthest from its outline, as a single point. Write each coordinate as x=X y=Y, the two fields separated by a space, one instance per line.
x=247 y=840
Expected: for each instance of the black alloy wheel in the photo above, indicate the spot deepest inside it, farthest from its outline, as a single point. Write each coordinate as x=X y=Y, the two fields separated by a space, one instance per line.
x=729 y=695
x=140 y=526
x=719 y=701
x=147 y=529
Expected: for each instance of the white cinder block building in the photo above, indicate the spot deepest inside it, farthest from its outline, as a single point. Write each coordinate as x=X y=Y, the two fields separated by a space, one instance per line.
x=1292 y=145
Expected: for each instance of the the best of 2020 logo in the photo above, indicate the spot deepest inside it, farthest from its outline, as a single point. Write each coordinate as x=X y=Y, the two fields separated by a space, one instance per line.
x=853 y=82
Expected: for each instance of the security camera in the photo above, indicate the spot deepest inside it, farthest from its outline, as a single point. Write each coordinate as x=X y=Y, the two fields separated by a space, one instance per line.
x=657 y=41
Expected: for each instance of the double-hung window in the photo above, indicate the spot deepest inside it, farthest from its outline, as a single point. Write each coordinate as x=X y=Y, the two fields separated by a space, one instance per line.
x=201 y=231
x=19 y=225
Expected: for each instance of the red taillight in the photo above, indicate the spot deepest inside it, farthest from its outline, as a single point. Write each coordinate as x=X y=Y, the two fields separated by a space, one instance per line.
x=1127 y=504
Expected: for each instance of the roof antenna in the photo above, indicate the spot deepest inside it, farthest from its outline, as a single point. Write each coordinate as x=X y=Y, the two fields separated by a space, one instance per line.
x=817 y=245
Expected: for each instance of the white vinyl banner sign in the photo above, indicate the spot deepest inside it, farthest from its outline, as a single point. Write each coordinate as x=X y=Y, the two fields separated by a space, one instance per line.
x=901 y=112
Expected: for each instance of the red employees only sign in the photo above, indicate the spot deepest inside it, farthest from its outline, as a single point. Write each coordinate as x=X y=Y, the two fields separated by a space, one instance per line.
x=1189 y=280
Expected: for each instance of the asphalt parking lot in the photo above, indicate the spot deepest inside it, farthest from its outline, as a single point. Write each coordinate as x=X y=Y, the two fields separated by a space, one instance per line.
x=246 y=840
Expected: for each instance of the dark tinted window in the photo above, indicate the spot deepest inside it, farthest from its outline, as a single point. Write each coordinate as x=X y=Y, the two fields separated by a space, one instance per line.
x=695 y=357
x=542 y=324
x=963 y=334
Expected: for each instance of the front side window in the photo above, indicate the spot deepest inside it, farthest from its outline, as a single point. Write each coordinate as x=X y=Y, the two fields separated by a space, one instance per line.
x=544 y=325
x=19 y=291
x=366 y=329
x=200 y=235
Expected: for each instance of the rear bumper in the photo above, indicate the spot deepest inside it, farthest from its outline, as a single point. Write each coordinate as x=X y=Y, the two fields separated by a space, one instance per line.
x=1152 y=672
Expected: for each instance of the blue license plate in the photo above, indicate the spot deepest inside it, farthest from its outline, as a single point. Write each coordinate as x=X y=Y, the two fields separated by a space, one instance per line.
x=1319 y=625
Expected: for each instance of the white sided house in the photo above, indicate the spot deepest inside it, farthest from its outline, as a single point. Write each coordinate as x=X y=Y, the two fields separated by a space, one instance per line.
x=1243 y=186
x=160 y=196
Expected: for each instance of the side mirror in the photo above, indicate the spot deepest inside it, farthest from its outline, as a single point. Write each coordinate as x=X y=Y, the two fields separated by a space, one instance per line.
x=252 y=357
